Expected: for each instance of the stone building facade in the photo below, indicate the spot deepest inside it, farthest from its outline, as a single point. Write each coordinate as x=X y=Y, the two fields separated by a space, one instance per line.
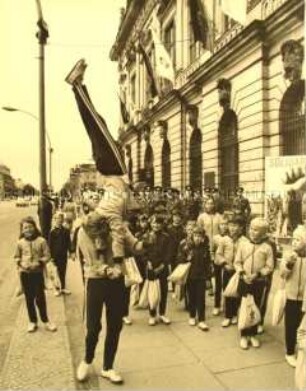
x=228 y=109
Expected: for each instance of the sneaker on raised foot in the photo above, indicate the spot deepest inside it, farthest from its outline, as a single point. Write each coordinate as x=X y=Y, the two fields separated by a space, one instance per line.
x=192 y=322
x=127 y=321
x=203 y=326
x=226 y=322
x=82 y=371
x=152 y=321
x=32 y=327
x=216 y=311
x=50 y=326
x=255 y=342
x=77 y=72
x=244 y=343
x=291 y=360
x=112 y=376
x=164 y=319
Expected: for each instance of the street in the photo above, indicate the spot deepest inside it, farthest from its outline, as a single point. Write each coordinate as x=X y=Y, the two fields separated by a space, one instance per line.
x=164 y=357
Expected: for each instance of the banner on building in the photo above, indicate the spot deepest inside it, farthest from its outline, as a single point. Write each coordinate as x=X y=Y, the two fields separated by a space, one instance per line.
x=285 y=193
x=163 y=61
x=200 y=23
x=149 y=68
x=235 y=9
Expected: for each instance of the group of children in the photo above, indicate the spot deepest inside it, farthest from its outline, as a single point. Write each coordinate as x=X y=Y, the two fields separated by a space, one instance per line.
x=215 y=246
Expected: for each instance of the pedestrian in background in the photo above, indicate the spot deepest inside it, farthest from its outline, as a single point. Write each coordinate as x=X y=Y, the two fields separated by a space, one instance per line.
x=60 y=245
x=45 y=213
x=31 y=256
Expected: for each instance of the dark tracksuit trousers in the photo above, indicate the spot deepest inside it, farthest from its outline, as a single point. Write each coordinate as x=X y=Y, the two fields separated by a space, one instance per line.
x=230 y=303
x=127 y=295
x=218 y=285
x=196 y=289
x=34 y=291
x=163 y=294
x=61 y=265
x=293 y=317
x=100 y=292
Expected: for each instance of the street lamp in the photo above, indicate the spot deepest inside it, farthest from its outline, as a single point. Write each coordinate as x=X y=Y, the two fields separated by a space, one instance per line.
x=51 y=150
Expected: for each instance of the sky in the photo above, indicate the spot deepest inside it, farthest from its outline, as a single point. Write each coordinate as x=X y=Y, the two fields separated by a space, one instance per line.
x=78 y=29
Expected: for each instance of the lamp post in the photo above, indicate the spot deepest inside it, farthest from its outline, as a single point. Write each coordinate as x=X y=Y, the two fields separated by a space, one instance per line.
x=50 y=149
x=42 y=36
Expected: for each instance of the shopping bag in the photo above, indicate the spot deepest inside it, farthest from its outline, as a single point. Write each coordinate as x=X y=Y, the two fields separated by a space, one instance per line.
x=249 y=314
x=180 y=273
x=132 y=274
x=231 y=289
x=153 y=294
x=300 y=369
x=134 y=296
x=278 y=308
x=143 y=299
x=51 y=277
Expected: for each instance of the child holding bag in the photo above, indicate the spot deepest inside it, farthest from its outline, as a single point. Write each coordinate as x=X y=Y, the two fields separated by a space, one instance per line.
x=254 y=262
x=197 y=252
x=293 y=269
x=225 y=256
x=31 y=255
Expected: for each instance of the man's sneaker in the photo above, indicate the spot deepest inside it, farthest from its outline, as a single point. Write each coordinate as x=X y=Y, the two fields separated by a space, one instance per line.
x=216 y=311
x=226 y=322
x=66 y=291
x=57 y=293
x=255 y=342
x=244 y=343
x=50 y=326
x=152 y=322
x=32 y=327
x=203 y=326
x=77 y=72
x=234 y=320
x=83 y=371
x=112 y=376
x=192 y=322
x=260 y=329
x=164 y=319
x=291 y=360
x=127 y=321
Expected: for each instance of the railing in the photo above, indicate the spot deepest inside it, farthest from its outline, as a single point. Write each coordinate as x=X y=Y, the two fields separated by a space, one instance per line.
x=270 y=6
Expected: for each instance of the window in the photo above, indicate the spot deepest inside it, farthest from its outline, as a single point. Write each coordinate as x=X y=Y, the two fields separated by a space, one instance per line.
x=292 y=120
x=133 y=88
x=170 y=41
x=149 y=165
x=166 y=164
x=148 y=81
x=228 y=149
x=195 y=159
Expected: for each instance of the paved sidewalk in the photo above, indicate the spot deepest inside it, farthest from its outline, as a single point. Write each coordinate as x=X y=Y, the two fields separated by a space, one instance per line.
x=39 y=360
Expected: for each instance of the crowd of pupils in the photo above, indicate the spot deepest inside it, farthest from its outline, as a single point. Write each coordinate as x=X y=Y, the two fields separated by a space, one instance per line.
x=215 y=244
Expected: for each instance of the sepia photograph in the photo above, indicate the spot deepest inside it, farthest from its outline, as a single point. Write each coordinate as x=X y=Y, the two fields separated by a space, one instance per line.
x=152 y=195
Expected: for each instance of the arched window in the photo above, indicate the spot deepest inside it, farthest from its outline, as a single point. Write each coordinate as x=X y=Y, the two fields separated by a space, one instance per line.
x=292 y=120
x=149 y=165
x=166 y=164
x=195 y=159
x=228 y=148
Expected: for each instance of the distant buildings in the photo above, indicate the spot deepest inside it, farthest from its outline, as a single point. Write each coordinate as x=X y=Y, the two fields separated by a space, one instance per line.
x=7 y=183
x=235 y=100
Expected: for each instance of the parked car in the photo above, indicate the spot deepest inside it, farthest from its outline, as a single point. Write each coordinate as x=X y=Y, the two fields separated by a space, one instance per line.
x=21 y=202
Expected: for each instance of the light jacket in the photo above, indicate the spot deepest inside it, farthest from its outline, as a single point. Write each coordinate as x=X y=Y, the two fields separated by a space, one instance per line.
x=295 y=277
x=32 y=255
x=254 y=258
x=227 y=249
x=95 y=261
